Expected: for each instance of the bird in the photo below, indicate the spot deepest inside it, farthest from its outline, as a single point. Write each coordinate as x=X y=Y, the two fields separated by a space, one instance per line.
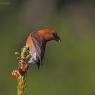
x=36 y=43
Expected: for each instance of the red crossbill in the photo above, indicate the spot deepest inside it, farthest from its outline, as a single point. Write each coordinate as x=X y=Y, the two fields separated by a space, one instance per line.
x=36 y=43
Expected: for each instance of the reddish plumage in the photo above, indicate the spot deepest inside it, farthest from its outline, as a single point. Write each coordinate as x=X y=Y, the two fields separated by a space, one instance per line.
x=36 y=42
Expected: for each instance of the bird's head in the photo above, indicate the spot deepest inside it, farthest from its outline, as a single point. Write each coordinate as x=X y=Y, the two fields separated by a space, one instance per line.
x=48 y=34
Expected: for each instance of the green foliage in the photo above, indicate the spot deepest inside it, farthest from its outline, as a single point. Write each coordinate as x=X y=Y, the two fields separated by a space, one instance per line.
x=17 y=53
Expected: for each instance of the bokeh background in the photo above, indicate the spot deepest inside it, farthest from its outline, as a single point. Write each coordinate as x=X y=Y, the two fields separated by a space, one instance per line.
x=69 y=66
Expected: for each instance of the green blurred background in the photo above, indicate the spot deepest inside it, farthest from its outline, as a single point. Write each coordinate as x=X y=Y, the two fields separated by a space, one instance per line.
x=69 y=66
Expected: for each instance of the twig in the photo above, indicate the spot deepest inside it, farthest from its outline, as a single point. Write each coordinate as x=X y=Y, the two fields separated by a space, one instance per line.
x=20 y=73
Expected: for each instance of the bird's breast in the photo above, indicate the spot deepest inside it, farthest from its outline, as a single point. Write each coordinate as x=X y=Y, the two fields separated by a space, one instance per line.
x=33 y=54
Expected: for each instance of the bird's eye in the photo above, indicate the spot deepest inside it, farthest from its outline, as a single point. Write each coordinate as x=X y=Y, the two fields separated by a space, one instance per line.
x=54 y=34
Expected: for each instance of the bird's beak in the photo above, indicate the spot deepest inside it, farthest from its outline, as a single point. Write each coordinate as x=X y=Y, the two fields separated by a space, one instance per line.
x=57 y=38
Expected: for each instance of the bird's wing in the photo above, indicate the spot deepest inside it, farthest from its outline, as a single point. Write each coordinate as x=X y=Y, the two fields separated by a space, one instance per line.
x=38 y=46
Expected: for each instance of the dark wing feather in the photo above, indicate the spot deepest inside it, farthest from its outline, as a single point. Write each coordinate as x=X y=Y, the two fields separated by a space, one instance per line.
x=40 y=48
